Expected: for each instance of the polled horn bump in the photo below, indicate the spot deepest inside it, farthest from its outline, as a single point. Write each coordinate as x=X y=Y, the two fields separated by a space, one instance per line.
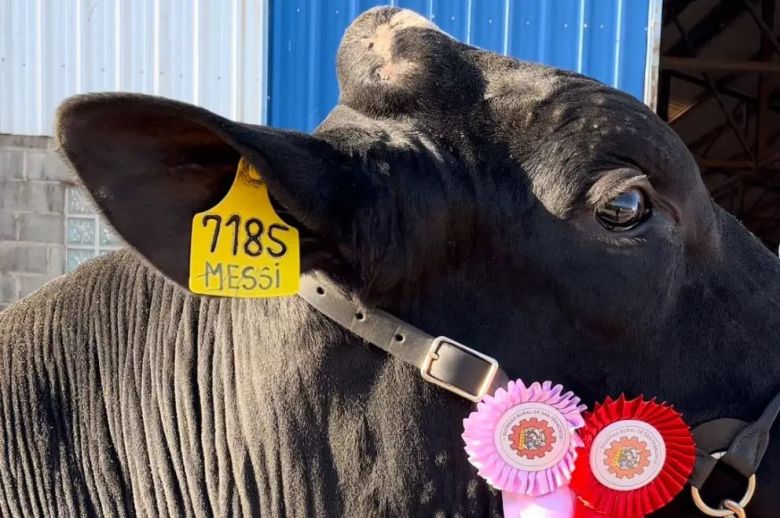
x=394 y=61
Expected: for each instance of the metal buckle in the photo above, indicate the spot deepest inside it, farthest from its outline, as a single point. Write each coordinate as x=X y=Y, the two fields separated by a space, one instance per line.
x=728 y=507
x=433 y=355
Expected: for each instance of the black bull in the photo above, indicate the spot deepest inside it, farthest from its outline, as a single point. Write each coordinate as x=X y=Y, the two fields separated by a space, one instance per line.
x=536 y=215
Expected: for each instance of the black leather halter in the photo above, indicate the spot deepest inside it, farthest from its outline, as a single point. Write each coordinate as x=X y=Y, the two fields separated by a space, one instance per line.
x=738 y=444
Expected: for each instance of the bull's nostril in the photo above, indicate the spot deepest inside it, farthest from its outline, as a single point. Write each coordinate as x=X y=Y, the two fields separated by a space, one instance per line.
x=370 y=45
x=360 y=316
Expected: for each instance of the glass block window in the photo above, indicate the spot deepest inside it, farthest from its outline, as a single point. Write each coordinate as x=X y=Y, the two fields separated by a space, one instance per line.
x=86 y=234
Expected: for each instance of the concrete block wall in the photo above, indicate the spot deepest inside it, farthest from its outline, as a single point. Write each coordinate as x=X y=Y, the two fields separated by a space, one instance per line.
x=33 y=180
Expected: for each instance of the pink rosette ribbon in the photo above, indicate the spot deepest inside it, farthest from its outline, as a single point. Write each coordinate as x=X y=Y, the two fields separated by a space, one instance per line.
x=523 y=441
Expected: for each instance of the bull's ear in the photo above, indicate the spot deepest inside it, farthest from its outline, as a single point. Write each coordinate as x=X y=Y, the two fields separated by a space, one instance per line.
x=150 y=164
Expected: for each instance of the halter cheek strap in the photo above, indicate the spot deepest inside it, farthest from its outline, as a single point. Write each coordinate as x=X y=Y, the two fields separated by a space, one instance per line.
x=441 y=361
x=736 y=443
x=742 y=444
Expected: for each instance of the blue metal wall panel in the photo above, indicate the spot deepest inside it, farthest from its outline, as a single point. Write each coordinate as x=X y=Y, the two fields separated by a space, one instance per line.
x=632 y=55
x=605 y=39
x=487 y=24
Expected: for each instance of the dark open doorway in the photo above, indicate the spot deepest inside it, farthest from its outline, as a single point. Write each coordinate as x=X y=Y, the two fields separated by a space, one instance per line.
x=719 y=88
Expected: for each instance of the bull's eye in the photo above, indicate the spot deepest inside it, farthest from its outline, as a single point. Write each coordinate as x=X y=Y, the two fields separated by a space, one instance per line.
x=624 y=211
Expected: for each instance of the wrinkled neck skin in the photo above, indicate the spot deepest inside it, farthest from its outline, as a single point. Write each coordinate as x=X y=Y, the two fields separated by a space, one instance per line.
x=122 y=395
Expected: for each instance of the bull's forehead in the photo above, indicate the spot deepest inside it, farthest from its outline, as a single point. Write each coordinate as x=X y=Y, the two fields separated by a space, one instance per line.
x=394 y=63
x=561 y=122
x=570 y=133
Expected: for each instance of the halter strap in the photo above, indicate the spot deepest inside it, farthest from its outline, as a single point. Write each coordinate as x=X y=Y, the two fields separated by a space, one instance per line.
x=441 y=361
x=744 y=443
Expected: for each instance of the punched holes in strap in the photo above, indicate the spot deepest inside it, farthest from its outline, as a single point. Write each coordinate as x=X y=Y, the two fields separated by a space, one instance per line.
x=442 y=361
x=378 y=328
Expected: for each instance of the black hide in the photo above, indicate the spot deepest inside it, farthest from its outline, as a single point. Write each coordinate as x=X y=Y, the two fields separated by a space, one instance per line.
x=451 y=186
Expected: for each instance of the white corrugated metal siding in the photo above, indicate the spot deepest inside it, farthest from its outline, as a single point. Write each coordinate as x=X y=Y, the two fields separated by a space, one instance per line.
x=211 y=53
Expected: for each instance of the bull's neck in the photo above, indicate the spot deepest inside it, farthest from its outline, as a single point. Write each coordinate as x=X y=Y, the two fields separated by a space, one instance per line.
x=715 y=352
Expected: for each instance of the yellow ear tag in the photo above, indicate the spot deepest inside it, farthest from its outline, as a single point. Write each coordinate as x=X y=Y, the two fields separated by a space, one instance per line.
x=241 y=247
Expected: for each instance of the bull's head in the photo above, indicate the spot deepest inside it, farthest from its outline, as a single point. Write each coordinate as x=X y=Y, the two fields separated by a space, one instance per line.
x=536 y=215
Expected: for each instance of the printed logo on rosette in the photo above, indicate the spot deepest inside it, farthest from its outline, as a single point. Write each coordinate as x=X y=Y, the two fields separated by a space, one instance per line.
x=532 y=436
x=627 y=455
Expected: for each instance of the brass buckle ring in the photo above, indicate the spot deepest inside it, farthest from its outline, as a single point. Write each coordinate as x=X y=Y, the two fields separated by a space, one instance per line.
x=728 y=507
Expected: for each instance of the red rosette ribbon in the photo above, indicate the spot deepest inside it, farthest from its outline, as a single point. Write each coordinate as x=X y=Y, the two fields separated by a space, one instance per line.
x=638 y=455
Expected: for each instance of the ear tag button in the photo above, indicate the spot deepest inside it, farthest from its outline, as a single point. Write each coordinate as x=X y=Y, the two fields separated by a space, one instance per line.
x=241 y=247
